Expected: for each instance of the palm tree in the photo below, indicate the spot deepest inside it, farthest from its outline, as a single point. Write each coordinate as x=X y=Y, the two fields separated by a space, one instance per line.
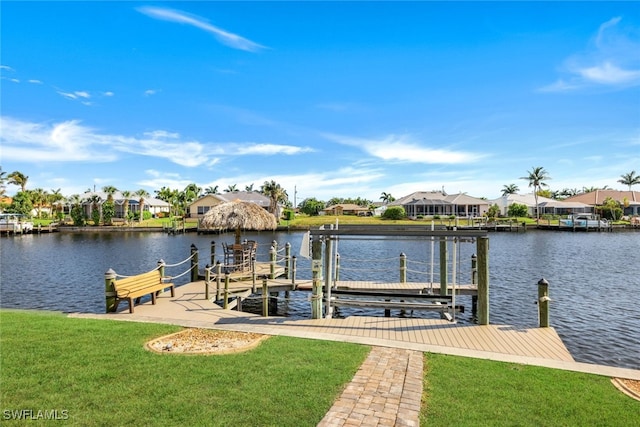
x=231 y=189
x=141 y=194
x=629 y=179
x=510 y=189
x=249 y=188
x=38 y=199
x=126 y=195
x=3 y=179
x=537 y=176
x=386 y=197
x=110 y=190
x=211 y=190
x=53 y=200
x=276 y=194
x=19 y=179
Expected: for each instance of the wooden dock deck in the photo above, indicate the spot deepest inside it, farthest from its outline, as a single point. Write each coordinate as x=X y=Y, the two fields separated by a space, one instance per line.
x=190 y=308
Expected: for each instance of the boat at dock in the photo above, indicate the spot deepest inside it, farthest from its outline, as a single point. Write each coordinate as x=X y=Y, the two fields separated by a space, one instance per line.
x=14 y=224
x=584 y=222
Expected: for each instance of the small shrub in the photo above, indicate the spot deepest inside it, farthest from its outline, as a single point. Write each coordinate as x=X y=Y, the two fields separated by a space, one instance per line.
x=394 y=212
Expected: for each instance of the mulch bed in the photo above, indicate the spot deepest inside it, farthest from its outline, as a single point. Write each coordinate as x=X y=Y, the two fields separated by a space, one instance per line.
x=206 y=341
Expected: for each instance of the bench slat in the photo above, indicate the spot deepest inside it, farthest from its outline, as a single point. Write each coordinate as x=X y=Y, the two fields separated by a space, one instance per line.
x=135 y=287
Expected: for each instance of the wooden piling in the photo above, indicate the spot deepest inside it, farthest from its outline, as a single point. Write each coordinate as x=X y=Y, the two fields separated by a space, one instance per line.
x=403 y=268
x=194 y=263
x=265 y=297
x=225 y=303
x=207 y=278
x=482 y=246
x=110 y=290
x=543 y=303
x=316 y=269
x=328 y=251
x=444 y=258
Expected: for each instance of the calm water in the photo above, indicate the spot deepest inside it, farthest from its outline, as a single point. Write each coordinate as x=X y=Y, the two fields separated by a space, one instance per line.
x=594 y=277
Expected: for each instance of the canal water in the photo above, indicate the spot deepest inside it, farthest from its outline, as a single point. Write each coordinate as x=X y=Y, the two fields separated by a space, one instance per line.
x=594 y=278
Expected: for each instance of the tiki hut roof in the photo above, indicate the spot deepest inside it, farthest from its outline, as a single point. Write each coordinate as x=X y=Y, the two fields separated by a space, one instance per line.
x=238 y=215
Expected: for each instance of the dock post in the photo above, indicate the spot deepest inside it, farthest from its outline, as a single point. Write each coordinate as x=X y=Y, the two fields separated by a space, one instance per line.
x=213 y=253
x=543 y=303
x=194 y=263
x=444 y=259
x=403 y=268
x=287 y=259
x=328 y=253
x=207 y=278
x=337 y=273
x=483 y=280
x=110 y=290
x=218 y=274
x=161 y=265
x=225 y=303
x=316 y=269
x=273 y=253
x=265 y=297
x=474 y=281
x=294 y=267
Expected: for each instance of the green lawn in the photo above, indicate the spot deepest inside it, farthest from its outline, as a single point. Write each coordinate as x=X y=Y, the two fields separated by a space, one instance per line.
x=470 y=392
x=99 y=373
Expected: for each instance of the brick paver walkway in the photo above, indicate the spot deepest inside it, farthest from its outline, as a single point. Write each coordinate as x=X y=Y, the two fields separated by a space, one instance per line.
x=386 y=391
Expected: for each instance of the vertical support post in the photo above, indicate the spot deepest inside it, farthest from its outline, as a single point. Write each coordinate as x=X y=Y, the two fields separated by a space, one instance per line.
x=225 y=303
x=474 y=281
x=543 y=303
x=403 y=268
x=444 y=268
x=328 y=254
x=316 y=269
x=110 y=290
x=207 y=278
x=265 y=297
x=194 y=263
x=337 y=273
x=273 y=253
x=287 y=260
x=218 y=279
x=482 y=246
x=161 y=265
x=294 y=268
x=213 y=253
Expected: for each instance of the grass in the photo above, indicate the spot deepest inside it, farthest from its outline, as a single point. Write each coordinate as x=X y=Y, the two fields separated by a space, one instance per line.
x=100 y=373
x=470 y=392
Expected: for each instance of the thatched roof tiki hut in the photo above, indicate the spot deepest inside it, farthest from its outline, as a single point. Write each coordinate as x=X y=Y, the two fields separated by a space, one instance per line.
x=238 y=215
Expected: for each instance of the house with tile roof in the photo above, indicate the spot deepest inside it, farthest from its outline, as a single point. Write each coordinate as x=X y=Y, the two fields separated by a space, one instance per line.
x=431 y=203
x=198 y=208
x=629 y=200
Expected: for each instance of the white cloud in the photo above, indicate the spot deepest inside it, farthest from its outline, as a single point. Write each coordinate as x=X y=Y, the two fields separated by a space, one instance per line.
x=35 y=81
x=403 y=149
x=6 y=67
x=610 y=60
x=271 y=149
x=229 y=39
x=150 y=92
x=107 y=93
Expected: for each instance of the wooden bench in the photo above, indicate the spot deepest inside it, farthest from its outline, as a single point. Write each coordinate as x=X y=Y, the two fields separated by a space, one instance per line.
x=135 y=287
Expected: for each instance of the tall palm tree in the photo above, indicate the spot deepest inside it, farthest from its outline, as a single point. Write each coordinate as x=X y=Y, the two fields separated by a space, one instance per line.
x=510 y=189
x=141 y=194
x=537 y=177
x=126 y=195
x=629 y=179
x=3 y=179
x=110 y=190
x=19 y=179
x=38 y=198
x=386 y=197
x=249 y=188
x=276 y=194
x=53 y=200
x=231 y=189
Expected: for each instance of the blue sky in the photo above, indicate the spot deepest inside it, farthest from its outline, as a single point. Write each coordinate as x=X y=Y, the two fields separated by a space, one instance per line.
x=330 y=99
